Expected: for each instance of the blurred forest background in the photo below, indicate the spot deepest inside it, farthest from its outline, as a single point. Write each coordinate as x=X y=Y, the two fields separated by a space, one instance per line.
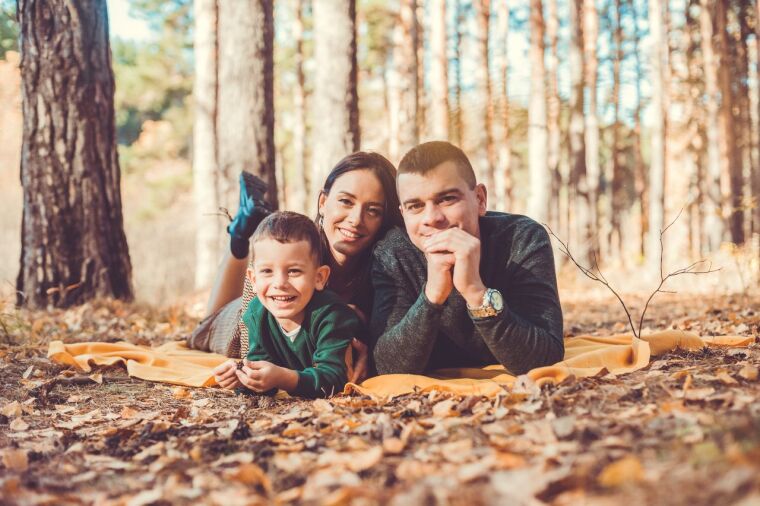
x=603 y=118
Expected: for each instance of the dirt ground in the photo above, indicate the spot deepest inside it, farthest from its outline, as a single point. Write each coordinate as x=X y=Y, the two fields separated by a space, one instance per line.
x=685 y=430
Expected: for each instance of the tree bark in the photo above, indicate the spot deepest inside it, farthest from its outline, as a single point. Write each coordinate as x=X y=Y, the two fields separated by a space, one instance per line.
x=73 y=246
x=612 y=179
x=591 y=120
x=714 y=225
x=458 y=120
x=245 y=121
x=483 y=154
x=404 y=82
x=209 y=227
x=657 y=162
x=439 y=83
x=540 y=181
x=304 y=196
x=576 y=141
x=552 y=118
x=640 y=176
x=756 y=175
x=503 y=176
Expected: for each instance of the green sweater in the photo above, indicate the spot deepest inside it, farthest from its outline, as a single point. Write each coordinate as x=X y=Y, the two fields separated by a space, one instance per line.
x=317 y=353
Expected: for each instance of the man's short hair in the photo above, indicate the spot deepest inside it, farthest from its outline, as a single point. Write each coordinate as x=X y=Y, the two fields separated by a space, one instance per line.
x=429 y=155
x=288 y=227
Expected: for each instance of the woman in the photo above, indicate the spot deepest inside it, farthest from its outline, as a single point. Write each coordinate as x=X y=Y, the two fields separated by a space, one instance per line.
x=357 y=205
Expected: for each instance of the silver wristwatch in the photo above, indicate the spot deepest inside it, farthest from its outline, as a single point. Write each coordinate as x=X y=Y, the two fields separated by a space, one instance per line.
x=492 y=305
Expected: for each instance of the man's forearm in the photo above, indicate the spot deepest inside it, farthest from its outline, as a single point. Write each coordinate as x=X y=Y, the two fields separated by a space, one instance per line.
x=406 y=346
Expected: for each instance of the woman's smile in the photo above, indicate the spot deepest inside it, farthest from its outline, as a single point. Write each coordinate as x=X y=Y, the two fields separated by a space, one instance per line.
x=350 y=235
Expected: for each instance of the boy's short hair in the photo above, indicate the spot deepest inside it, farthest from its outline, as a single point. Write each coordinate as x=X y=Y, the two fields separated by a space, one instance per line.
x=429 y=155
x=289 y=227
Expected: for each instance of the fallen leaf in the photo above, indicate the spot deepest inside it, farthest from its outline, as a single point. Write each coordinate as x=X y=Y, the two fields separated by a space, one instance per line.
x=28 y=372
x=18 y=425
x=698 y=394
x=626 y=470
x=15 y=460
x=444 y=409
x=393 y=446
x=12 y=409
x=181 y=393
x=252 y=475
x=97 y=378
x=128 y=412
x=726 y=378
x=749 y=372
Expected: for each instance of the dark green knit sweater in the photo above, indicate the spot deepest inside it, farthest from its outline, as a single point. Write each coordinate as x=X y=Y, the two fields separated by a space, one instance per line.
x=317 y=353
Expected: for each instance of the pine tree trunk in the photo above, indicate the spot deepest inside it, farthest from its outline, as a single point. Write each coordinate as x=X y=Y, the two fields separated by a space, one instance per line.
x=612 y=215
x=733 y=164
x=576 y=141
x=304 y=196
x=743 y=116
x=657 y=163
x=336 y=103
x=458 y=120
x=209 y=228
x=405 y=134
x=640 y=178
x=73 y=246
x=503 y=176
x=438 y=128
x=483 y=154
x=552 y=118
x=593 y=171
x=540 y=182
x=245 y=121
x=756 y=176
x=714 y=225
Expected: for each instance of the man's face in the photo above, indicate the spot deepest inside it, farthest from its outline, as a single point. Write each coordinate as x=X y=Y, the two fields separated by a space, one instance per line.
x=438 y=200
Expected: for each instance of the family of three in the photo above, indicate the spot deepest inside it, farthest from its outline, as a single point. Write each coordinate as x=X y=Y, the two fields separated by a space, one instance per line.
x=405 y=270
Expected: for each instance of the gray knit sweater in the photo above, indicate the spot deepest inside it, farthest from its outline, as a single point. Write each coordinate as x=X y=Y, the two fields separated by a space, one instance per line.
x=413 y=335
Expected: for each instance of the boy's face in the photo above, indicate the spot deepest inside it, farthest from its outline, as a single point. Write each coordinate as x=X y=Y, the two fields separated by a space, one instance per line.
x=285 y=276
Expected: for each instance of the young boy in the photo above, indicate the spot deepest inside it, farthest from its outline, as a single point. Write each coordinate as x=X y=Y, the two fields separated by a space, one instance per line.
x=298 y=332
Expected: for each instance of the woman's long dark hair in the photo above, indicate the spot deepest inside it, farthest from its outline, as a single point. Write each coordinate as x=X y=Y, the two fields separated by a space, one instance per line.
x=385 y=172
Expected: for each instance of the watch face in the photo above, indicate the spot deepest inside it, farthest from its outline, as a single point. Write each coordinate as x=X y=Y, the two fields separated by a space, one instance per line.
x=497 y=302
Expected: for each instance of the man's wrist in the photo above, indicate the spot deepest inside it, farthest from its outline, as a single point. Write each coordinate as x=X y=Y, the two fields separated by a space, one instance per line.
x=474 y=297
x=434 y=296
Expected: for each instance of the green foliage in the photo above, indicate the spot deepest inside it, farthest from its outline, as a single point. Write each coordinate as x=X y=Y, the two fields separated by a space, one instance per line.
x=8 y=27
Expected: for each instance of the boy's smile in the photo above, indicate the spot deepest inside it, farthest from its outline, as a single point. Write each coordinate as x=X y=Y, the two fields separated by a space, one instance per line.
x=285 y=276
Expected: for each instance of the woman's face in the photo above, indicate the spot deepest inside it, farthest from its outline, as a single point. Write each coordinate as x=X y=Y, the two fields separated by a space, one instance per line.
x=352 y=213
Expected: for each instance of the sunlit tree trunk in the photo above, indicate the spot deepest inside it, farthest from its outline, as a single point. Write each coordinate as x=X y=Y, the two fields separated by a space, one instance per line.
x=335 y=100
x=73 y=246
x=245 y=120
x=612 y=178
x=438 y=126
x=657 y=163
x=540 y=182
x=405 y=81
x=640 y=176
x=714 y=225
x=304 y=196
x=458 y=119
x=743 y=117
x=576 y=142
x=756 y=175
x=484 y=152
x=733 y=164
x=210 y=226
x=591 y=120
x=503 y=176
x=552 y=117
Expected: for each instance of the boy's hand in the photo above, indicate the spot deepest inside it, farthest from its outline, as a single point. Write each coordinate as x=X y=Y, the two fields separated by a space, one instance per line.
x=225 y=376
x=358 y=369
x=262 y=376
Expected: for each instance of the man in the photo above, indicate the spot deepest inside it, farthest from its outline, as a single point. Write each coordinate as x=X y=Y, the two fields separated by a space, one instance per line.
x=462 y=287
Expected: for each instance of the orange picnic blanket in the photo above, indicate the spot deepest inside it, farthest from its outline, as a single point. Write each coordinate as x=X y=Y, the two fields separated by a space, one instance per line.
x=584 y=356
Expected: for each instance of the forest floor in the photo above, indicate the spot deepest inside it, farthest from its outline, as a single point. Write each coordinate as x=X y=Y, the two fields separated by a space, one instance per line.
x=685 y=430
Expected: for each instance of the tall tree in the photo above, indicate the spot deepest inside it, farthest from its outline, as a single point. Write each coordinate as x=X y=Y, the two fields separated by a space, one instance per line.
x=732 y=159
x=439 y=84
x=714 y=227
x=576 y=142
x=484 y=152
x=552 y=116
x=404 y=86
x=304 y=196
x=245 y=119
x=540 y=182
x=458 y=118
x=612 y=178
x=591 y=119
x=657 y=163
x=640 y=175
x=336 y=103
x=73 y=246
x=503 y=175
x=756 y=175
x=205 y=169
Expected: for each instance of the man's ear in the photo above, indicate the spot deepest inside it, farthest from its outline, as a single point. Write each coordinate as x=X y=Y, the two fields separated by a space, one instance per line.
x=481 y=195
x=250 y=275
x=323 y=274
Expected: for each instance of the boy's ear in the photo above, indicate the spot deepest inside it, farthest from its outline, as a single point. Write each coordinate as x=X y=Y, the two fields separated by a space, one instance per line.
x=323 y=274
x=250 y=275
